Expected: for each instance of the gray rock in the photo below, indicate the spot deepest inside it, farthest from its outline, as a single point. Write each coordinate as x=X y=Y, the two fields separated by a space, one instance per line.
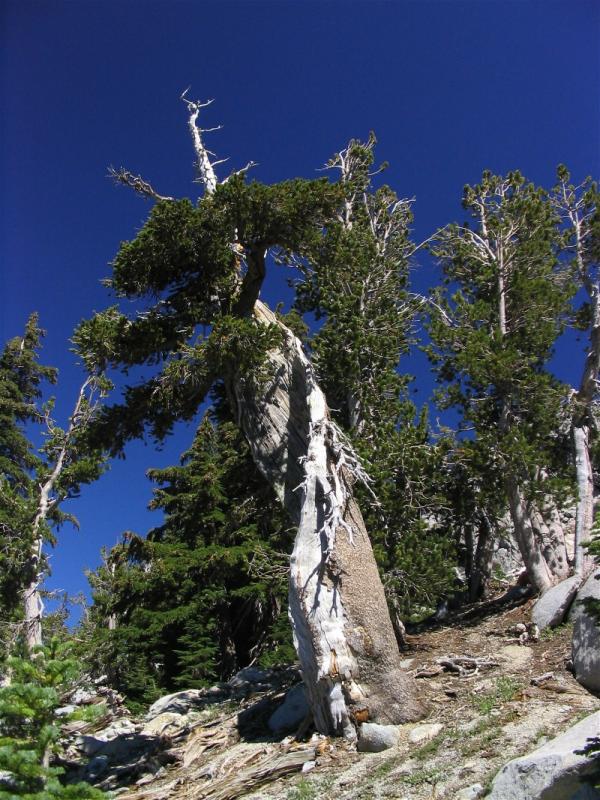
x=177 y=703
x=425 y=732
x=8 y=781
x=470 y=792
x=586 y=636
x=167 y=722
x=552 y=607
x=251 y=678
x=82 y=697
x=64 y=711
x=553 y=771
x=374 y=738
x=291 y=712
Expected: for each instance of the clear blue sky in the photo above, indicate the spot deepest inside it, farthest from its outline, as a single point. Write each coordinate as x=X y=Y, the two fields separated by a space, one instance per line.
x=451 y=87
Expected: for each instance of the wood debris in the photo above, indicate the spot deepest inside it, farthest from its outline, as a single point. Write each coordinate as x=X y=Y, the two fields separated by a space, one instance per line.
x=466 y=665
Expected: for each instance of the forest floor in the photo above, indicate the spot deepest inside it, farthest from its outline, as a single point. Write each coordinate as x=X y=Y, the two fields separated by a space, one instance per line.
x=508 y=700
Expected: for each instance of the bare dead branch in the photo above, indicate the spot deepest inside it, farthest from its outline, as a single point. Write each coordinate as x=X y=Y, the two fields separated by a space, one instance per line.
x=135 y=182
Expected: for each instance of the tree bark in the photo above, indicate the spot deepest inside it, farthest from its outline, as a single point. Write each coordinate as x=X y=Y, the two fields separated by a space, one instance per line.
x=584 y=517
x=550 y=533
x=32 y=600
x=481 y=566
x=538 y=571
x=340 y=619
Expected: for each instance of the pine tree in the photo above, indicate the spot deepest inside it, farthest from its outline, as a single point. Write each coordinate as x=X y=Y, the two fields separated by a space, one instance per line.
x=205 y=593
x=356 y=284
x=34 y=484
x=201 y=268
x=30 y=730
x=21 y=378
x=503 y=305
x=579 y=209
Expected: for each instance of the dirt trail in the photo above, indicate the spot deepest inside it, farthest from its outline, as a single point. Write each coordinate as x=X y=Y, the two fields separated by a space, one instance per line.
x=490 y=699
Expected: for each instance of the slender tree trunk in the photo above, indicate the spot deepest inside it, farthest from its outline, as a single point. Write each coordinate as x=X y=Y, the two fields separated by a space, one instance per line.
x=32 y=601
x=481 y=568
x=580 y=432
x=584 y=517
x=550 y=532
x=341 y=624
x=33 y=605
x=538 y=571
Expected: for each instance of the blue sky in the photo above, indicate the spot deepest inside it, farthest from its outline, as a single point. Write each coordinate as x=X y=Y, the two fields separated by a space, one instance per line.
x=451 y=87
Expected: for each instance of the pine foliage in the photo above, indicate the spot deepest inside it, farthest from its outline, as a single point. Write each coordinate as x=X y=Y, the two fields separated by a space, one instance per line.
x=30 y=729
x=205 y=592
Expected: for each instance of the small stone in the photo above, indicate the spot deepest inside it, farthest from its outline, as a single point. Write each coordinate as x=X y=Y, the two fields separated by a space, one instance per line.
x=82 y=697
x=516 y=655
x=424 y=733
x=147 y=778
x=250 y=675
x=470 y=792
x=216 y=690
x=308 y=766
x=518 y=629
x=178 y=703
x=374 y=738
x=64 y=711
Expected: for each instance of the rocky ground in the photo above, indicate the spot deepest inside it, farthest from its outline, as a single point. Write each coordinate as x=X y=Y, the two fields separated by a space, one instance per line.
x=494 y=688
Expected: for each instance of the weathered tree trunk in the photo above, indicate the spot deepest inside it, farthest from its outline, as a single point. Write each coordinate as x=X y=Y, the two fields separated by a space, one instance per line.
x=32 y=600
x=342 y=629
x=578 y=205
x=583 y=403
x=481 y=566
x=538 y=571
x=550 y=532
x=585 y=497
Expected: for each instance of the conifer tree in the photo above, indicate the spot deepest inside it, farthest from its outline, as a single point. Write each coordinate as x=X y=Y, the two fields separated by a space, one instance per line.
x=30 y=729
x=33 y=484
x=357 y=285
x=201 y=267
x=502 y=307
x=204 y=594
x=578 y=207
x=21 y=377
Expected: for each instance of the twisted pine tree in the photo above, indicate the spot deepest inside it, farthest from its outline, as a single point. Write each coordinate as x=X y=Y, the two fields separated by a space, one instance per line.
x=201 y=268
